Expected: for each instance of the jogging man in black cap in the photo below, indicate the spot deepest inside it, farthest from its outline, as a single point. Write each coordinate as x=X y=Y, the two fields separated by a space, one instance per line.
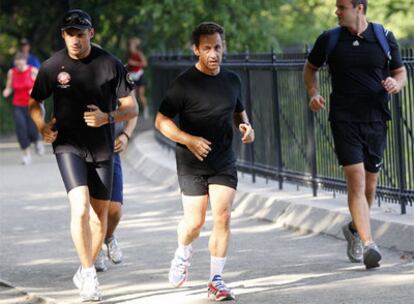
x=365 y=67
x=208 y=101
x=86 y=83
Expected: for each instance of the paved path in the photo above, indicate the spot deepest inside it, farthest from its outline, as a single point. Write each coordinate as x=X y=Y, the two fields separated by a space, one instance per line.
x=267 y=264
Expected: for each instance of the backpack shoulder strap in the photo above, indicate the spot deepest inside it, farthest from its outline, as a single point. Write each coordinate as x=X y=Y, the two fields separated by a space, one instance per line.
x=332 y=40
x=381 y=35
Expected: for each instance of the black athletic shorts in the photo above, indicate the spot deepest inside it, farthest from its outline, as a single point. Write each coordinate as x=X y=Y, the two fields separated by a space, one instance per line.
x=198 y=184
x=357 y=142
x=75 y=172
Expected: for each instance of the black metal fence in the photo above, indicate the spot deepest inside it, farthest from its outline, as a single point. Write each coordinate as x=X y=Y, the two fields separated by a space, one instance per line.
x=292 y=143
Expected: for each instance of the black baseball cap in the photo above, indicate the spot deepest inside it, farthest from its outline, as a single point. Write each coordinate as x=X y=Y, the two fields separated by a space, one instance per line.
x=76 y=18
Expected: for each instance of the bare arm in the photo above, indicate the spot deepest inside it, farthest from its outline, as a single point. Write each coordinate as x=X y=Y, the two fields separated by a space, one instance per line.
x=310 y=76
x=199 y=146
x=121 y=142
x=396 y=82
x=241 y=121
x=46 y=129
x=8 y=89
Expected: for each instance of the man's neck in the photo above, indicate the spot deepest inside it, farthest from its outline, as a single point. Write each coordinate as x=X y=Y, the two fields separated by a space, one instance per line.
x=199 y=66
x=360 y=26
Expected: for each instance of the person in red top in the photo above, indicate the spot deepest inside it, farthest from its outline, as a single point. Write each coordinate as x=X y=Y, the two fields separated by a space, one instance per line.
x=136 y=65
x=20 y=80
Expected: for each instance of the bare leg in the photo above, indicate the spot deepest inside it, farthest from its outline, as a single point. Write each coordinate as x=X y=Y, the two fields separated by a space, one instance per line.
x=79 y=224
x=98 y=224
x=114 y=216
x=357 y=200
x=189 y=228
x=221 y=198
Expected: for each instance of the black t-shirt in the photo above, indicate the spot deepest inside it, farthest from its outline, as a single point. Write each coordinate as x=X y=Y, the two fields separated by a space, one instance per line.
x=357 y=66
x=98 y=79
x=205 y=105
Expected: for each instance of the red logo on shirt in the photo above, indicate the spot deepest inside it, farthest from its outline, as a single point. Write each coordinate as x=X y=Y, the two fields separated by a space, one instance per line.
x=63 y=78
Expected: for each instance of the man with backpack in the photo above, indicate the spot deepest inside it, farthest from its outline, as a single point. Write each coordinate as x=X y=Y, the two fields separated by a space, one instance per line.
x=365 y=67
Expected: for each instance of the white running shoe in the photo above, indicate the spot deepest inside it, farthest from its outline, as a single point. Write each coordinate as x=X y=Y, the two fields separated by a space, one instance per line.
x=100 y=263
x=26 y=159
x=114 y=251
x=77 y=278
x=179 y=270
x=39 y=147
x=88 y=285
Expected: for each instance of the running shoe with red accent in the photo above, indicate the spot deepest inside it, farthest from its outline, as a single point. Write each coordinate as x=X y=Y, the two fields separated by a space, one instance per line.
x=218 y=291
x=179 y=270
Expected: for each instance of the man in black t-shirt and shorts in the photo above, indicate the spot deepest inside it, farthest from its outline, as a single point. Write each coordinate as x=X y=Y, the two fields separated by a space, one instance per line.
x=363 y=76
x=86 y=83
x=207 y=99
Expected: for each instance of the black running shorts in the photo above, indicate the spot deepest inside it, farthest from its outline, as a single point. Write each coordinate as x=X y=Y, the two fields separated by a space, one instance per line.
x=193 y=185
x=357 y=142
x=75 y=172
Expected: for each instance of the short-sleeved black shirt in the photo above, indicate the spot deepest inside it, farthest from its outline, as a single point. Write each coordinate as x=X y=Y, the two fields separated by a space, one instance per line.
x=98 y=79
x=357 y=66
x=205 y=105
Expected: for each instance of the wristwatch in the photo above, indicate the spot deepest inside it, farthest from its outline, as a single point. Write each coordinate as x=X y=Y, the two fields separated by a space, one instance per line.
x=111 y=118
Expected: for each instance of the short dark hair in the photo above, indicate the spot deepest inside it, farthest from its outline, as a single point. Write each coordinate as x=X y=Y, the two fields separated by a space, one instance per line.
x=206 y=28
x=20 y=56
x=363 y=2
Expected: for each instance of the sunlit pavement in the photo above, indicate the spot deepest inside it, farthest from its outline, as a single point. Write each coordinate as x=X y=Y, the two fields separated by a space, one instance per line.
x=266 y=264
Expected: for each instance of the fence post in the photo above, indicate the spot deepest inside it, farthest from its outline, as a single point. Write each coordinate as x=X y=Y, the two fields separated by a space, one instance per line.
x=397 y=104
x=311 y=142
x=249 y=111
x=276 y=115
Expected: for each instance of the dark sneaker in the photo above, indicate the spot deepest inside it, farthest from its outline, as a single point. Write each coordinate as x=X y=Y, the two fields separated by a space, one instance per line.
x=354 y=249
x=372 y=256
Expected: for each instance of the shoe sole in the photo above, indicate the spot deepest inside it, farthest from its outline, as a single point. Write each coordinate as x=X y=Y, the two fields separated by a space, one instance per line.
x=101 y=269
x=92 y=299
x=372 y=258
x=349 y=241
x=212 y=297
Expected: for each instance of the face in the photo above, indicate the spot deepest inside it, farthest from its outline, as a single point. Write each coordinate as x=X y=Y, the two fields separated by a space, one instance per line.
x=25 y=48
x=78 y=42
x=20 y=64
x=210 y=51
x=346 y=13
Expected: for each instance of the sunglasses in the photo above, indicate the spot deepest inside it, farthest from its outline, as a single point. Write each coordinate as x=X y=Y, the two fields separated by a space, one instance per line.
x=77 y=19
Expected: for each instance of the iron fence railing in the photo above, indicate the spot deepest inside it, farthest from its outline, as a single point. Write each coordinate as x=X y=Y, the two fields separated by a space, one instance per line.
x=292 y=143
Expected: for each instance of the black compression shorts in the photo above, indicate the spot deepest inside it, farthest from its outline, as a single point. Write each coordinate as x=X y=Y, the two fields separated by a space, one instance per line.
x=75 y=172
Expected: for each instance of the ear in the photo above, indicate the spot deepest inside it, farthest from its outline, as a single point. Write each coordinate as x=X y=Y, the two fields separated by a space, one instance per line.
x=92 y=33
x=196 y=50
x=62 y=34
x=224 y=46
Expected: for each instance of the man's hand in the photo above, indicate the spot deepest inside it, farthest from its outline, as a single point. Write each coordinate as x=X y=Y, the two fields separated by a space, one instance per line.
x=121 y=143
x=247 y=133
x=316 y=103
x=48 y=131
x=391 y=85
x=199 y=146
x=95 y=117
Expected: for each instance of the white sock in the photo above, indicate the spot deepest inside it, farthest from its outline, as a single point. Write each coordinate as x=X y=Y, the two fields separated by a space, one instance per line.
x=216 y=266
x=184 y=251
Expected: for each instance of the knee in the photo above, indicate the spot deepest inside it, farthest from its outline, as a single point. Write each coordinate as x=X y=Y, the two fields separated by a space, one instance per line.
x=195 y=226
x=80 y=213
x=222 y=220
